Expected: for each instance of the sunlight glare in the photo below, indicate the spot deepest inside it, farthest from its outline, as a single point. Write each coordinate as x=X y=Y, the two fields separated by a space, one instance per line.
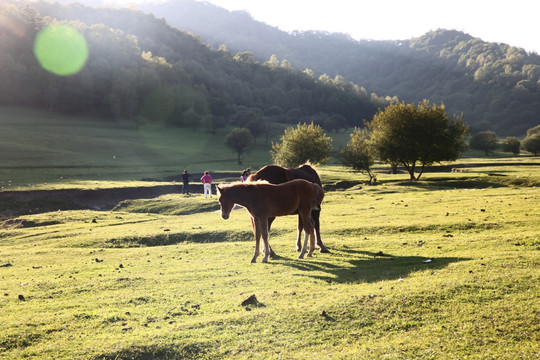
x=61 y=50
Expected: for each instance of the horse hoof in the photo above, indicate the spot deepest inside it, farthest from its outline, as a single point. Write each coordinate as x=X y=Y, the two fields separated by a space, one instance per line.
x=265 y=261
x=325 y=250
x=253 y=261
x=301 y=256
x=309 y=255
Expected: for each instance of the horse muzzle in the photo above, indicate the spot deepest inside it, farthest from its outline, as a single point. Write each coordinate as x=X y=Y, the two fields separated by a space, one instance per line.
x=224 y=215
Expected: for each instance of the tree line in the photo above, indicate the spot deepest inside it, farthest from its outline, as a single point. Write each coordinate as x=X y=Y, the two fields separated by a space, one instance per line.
x=140 y=68
x=409 y=135
x=495 y=86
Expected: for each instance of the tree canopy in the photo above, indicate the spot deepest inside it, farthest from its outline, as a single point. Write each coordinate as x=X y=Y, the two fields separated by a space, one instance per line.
x=422 y=134
x=306 y=142
x=494 y=85
x=358 y=154
x=240 y=140
x=140 y=68
x=485 y=140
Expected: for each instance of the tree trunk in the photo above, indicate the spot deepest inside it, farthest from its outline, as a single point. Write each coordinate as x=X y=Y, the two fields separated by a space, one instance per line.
x=410 y=170
x=421 y=172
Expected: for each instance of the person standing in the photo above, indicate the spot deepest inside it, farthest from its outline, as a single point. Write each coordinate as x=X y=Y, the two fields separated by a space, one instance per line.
x=207 y=184
x=185 y=180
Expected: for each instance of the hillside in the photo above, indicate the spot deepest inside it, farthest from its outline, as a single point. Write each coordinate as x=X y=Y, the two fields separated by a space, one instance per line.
x=141 y=69
x=495 y=86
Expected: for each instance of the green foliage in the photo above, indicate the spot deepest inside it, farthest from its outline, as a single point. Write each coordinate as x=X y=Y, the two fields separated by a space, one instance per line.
x=305 y=143
x=240 y=140
x=532 y=144
x=512 y=145
x=494 y=85
x=534 y=130
x=408 y=134
x=141 y=68
x=485 y=140
x=357 y=154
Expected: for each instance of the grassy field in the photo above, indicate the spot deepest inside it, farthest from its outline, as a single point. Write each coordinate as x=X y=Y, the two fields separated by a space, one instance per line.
x=444 y=268
x=433 y=270
x=38 y=149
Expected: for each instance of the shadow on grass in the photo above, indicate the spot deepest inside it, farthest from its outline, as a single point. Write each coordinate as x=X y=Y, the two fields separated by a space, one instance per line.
x=168 y=238
x=365 y=266
x=137 y=352
x=448 y=184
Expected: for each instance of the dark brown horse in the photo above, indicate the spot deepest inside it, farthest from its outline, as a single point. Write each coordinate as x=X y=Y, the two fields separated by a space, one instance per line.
x=264 y=200
x=277 y=175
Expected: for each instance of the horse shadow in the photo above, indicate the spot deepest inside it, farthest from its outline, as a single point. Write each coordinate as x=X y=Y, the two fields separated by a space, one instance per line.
x=357 y=266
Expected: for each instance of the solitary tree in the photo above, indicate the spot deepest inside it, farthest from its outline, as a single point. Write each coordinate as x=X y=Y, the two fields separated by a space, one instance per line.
x=357 y=154
x=511 y=144
x=420 y=134
x=256 y=126
x=485 y=141
x=306 y=142
x=240 y=140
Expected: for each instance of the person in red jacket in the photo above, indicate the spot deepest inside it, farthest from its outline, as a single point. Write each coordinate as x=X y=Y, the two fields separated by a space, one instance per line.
x=207 y=184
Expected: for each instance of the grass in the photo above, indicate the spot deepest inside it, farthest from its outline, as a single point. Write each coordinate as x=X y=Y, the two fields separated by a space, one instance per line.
x=39 y=150
x=414 y=273
x=443 y=268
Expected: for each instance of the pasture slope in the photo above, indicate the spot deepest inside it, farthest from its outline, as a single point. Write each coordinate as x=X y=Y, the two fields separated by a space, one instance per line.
x=444 y=268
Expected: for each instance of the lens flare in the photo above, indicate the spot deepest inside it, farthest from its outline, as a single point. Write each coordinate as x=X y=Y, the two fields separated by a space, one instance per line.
x=61 y=50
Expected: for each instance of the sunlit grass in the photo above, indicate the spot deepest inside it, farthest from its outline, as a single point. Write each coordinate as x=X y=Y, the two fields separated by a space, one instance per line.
x=413 y=273
x=443 y=268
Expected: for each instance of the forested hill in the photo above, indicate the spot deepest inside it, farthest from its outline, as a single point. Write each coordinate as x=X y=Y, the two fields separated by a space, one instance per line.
x=142 y=69
x=496 y=86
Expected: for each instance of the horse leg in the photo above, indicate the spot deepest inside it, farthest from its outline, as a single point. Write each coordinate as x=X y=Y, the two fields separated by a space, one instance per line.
x=299 y=234
x=270 y=221
x=311 y=231
x=263 y=225
x=305 y=219
x=257 y=234
x=304 y=248
x=315 y=215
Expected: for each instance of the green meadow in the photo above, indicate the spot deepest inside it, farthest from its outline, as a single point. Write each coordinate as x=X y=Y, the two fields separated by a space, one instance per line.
x=444 y=268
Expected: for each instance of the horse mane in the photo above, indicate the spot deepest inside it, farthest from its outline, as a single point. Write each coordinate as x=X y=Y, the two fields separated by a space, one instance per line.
x=243 y=184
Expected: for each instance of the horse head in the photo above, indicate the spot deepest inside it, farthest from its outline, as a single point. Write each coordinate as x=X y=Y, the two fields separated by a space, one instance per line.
x=225 y=203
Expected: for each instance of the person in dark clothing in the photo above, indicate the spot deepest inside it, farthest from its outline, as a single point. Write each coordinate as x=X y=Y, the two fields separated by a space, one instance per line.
x=185 y=180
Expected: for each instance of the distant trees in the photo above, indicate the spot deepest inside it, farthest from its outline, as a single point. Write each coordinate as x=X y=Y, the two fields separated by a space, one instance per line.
x=532 y=142
x=142 y=69
x=240 y=140
x=306 y=142
x=512 y=145
x=484 y=140
x=358 y=154
x=420 y=134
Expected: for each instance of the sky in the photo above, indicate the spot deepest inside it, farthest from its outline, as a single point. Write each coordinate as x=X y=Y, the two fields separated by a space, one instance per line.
x=515 y=22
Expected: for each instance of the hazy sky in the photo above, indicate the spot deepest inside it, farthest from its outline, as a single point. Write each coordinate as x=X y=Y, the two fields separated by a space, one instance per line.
x=515 y=22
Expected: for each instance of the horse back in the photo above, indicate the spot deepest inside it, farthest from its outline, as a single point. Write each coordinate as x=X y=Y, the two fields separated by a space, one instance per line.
x=278 y=175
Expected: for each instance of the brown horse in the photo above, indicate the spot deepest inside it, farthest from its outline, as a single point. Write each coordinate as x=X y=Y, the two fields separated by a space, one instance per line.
x=277 y=175
x=264 y=200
